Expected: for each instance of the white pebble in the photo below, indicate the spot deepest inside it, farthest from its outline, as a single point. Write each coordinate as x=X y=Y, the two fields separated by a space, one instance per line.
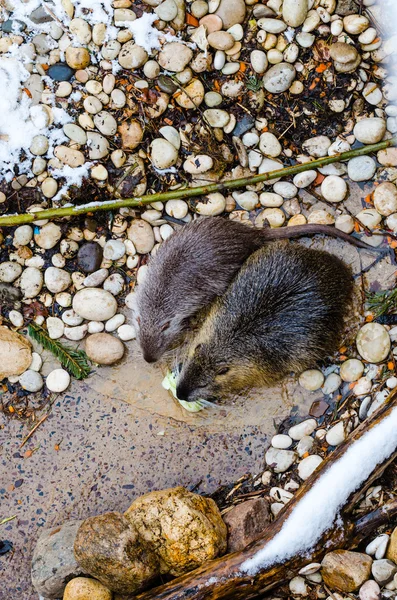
x=126 y=333
x=114 y=322
x=31 y=381
x=311 y=380
x=308 y=465
x=281 y=441
x=58 y=380
x=297 y=432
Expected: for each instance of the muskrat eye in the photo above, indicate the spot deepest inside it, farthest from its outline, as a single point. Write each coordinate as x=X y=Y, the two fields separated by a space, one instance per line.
x=165 y=326
x=223 y=371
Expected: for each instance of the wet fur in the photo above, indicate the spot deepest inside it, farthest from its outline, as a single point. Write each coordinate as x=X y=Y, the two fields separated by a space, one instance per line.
x=194 y=267
x=284 y=312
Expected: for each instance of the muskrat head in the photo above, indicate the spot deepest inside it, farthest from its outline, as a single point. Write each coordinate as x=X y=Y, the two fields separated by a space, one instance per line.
x=158 y=332
x=207 y=374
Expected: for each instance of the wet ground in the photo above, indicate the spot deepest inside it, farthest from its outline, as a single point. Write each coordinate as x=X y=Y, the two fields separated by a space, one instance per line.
x=118 y=435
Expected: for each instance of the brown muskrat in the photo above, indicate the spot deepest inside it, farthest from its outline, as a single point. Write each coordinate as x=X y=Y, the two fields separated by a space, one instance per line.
x=194 y=267
x=283 y=312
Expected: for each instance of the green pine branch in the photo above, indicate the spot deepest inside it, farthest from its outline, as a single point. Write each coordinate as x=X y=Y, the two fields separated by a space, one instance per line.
x=382 y=303
x=74 y=361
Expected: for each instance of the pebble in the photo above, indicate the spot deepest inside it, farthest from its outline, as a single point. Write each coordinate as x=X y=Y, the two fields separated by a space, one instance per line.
x=363 y=386
x=269 y=145
x=114 y=249
x=345 y=56
x=164 y=155
x=77 y=58
x=31 y=381
x=281 y=441
x=351 y=370
x=308 y=465
x=334 y=188
x=89 y=257
x=71 y=318
x=385 y=198
x=279 y=78
x=378 y=546
x=76 y=333
x=279 y=460
x=336 y=435
x=221 y=40
x=370 y=590
x=303 y=180
x=331 y=383
x=48 y=236
x=317 y=146
x=60 y=72
x=231 y=12
x=297 y=432
x=9 y=271
x=176 y=208
x=36 y=363
x=305 y=444
x=310 y=569
x=132 y=56
x=271 y=199
x=114 y=284
x=370 y=130
x=355 y=24
x=259 y=61
x=361 y=168
x=383 y=571
x=126 y=333
x=58 y=380
x=298 y=586
x=55 y=327
x=373 y=342
x=16 y=318
x=56 y=280
x=285 y=189
x=369 y=217
x=272 y=25
x=200 y=163
x=142 y=236
x=311 y=380
x=295 y=12
x=94 y=304
x=212 y=204
x=31 y=282
x=104 y=349
x=22 y=236
x=372 y=94
x=174 y=56
x=246 y=200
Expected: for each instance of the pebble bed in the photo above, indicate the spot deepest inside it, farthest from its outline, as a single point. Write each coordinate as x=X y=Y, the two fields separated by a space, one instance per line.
x=128 y=98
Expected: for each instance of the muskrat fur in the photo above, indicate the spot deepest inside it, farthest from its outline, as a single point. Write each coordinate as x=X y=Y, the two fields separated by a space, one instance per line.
x=194 y=267
x=283 y=312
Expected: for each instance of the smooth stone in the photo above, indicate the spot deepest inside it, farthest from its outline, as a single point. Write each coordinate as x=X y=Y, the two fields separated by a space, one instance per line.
x=285 y=189
x=369 y=217
x=16 y=318
x=69 y=156
x=267 y=165
x=231 y=12
x=89 y=257
x=362 y=387
x=271 y=199
x=174 y=56
x=96 y=278
x=199 y=163
x=211 y=205
x=259 y=61
x=104 y=349
x=176 y=208
x=297 y=432
x=58 y=381
x=361 y=168
x=105 y=123
x=98 y=145
x=15 y=352
x=303 y=180
x=355 y=24
x=82 y=588
x=77 y=58
x=76 y=334
x=279 y=78
x=114 y=284
x=345 y=570
x=317 y=146
x=56 y=280
x=48 y=236
x=167 y=10
x=269 y=145
x=297 y=586
x=31 y=282
x=142 y=236
x=216 y=117
x=114 y=249
x=114 y=323
x=22 y=236
x=385 y=198
x=308 y=465
x=131 y=134
x=336 y=435
x=378 y=546
x=295 y=12
x=383 y=571
x=132 y=56
x=31 y=381
x=163 y=154
x=311 y=380
x=370 y=130
x=126 y=333
x=94 y=304
x=55 y=327
x=372 y=94
x=370 y=590
x=351 y=370
x=334 y=188
x=9 y=271
x=281 y=441
x=305 y=444
x=331 y=384
x=373 y=342
x=75 y=133
x=221 y=40
x=71 y=318
x=279 y=460
x=272 y=25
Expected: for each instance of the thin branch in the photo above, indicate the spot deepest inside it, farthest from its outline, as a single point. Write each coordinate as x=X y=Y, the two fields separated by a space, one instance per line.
x=68 y=211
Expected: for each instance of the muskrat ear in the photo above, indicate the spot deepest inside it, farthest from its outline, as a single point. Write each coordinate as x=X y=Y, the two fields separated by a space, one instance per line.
x=223 y=371
x=165 y=326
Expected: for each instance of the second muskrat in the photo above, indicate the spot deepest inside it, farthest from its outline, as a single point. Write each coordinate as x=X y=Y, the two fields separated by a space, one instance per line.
x=283 y=312
x=194 y=267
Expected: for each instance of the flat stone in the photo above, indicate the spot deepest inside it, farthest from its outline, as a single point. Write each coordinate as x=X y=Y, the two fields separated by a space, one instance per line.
x=60 y=72
x=279 y=460
x=104 y=349
x=15 y=352
x=373 y=342
x=231 y=12
x=94 y=304
x=383 y=570
x=246 y=522
x=279 y=78
x=361 y=168
x=370 y=130
x=174 y=56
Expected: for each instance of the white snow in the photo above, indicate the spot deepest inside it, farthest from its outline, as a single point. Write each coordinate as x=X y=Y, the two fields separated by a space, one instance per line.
x=145 y=35
x=16 y=128
x=73 y=176
x=318 y=510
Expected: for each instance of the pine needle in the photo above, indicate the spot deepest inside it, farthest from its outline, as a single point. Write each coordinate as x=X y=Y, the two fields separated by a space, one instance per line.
x=74 y=361
x=382 y=303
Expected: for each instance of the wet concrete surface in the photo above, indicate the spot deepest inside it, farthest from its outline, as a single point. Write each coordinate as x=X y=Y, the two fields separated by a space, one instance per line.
x=118 y=435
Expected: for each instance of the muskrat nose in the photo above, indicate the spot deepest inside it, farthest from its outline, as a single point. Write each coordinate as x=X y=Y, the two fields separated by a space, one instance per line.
x=182 y=393
x=149 y=358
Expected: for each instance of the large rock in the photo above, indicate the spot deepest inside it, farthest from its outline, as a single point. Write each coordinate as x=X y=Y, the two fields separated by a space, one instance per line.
x=391 y=553
x=94 y=304
x=346 y=571
x=109 y=548
x=246 y=522
x=53 y=562
x=15 y=352
x=184 y=529
x=231 y=12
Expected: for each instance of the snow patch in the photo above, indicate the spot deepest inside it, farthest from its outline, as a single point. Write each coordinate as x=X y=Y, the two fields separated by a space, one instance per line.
x=319 y=509
x=73 y=176
x=145 y=35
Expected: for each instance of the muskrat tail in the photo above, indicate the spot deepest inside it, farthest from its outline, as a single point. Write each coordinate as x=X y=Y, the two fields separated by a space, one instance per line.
x=295 y=231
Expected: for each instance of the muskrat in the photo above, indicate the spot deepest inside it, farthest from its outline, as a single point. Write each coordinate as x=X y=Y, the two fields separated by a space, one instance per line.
x=283 y=312
x=195 y=266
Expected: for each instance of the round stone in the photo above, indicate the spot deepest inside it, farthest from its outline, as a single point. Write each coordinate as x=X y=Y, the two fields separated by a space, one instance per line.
x=126 y=333
x=271 y=199
x=163 y=154
x=317 y=146
x=104 y=349
x=331 y=383
x=279 y=460
x=216 y=117
x=351 y=370
x=22 y=236
x=199 y=163
x=31 y=282
x=49 y=187
x=369 y=217
x=167 y=10
x=56 y=280
x=355 y=24
x=274 y=216
x=285 y=189
x=192 y=95
x=58 y=381
x=259 y=61
x=142 y=236
x=175 y=56
x=55 y=327
x=83 y=588
x=385 y=198
x=94 y=304
x=221 y=40
x=211 y=205
x=336 y=435
x=89 y=257
x=370 y=130
x=281 y=441
x=60 y=72
x=114 y=249
x=334 y=188
x=176 y=208
x=361 y=168
x=362 y=387
x=132 y=56
x=114 y=323
x=305 y=428
x=311 y=380
x=31 y=381
x=303 y=180
x=308 y=465
x=370 y=590
x=48 y=236
x=269 y=145
x=39 y=145
x=272 y=25
x=231 y=12
x=9 y=271
x=295 y=12
x=105 y=122
x=279 y=78
x=373 y=342
x=77 y=58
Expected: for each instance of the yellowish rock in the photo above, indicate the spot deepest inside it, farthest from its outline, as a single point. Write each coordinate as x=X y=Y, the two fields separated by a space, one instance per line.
x=15 y=352
x=131 y=134
x=345 y=571
x=185 y=529
x=82 y=588
x=391 y=553
x=77 y=58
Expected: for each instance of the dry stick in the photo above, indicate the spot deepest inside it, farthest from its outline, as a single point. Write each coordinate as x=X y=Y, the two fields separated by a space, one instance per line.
x=31 y=432
x=68 y=211
x=224 y=578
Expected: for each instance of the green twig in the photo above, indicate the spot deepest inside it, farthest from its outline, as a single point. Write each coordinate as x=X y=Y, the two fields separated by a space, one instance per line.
x=68 y=211
x=3 y=521
x=75 y=361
